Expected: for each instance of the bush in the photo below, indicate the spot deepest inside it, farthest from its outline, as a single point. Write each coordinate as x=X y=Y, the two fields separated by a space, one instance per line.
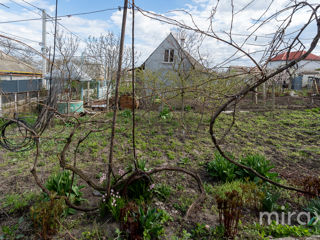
x=250 y=193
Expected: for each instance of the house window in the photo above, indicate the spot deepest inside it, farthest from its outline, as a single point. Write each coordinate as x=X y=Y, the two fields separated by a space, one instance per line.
x=168 y=55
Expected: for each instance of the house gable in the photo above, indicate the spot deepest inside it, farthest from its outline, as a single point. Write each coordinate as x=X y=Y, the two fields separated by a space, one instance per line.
x=156 y=61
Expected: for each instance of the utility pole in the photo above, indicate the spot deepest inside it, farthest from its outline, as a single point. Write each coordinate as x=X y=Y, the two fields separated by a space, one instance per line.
x=44 y=48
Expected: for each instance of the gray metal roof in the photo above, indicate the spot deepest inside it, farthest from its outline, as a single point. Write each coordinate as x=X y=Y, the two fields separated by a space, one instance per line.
x=11 y=64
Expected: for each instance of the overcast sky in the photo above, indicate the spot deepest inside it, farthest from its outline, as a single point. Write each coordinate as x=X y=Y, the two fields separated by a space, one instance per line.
x=150 y=33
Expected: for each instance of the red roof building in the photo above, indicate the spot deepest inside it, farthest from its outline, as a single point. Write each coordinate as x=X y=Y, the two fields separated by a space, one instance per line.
x=294 y=56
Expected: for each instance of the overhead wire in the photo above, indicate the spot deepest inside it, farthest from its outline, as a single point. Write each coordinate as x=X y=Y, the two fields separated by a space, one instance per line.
x=51 y=18
x=62 y=16
x=19 y=37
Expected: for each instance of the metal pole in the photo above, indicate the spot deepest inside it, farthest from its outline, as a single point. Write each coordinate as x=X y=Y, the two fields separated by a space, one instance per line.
x=44 y=48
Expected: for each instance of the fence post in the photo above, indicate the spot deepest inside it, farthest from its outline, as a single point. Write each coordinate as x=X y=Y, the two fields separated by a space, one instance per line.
x=98 y=89
x=256 y=96
x=88 y=89
x=28 y=101
x=0 y=105
x=15 y=102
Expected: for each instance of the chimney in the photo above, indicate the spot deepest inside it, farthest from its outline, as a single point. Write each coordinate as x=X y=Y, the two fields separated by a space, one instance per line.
x=182 y=42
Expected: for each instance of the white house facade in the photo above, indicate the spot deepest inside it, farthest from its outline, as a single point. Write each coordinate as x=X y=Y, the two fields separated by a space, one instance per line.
x=304 y=71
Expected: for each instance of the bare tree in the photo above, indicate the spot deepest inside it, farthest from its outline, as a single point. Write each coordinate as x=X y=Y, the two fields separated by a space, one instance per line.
x=67 y=48
x=104 y=51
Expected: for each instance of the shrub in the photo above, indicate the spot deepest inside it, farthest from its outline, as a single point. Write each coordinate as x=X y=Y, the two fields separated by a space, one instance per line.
x=310 y=184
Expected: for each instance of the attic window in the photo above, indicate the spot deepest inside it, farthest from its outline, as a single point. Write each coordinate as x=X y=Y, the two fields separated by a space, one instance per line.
x=168 y=55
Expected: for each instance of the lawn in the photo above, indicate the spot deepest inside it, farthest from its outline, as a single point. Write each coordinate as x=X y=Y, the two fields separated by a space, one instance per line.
x=289 y=139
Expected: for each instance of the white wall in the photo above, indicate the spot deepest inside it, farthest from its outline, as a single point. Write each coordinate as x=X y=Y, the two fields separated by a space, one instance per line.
x=303 y=65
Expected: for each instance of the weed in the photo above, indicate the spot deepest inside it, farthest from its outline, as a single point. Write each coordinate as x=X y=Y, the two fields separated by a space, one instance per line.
x=201 y=231
x=221 y=169
x=46 y=216
x=278 y=230
x=258 y=163
x=187 y=108
x=184 y=161
x=12 y=232
x=17 y=202
x=218 y=232
x=152 y=221
x=183 y=204
x=126 y=113
x=314 y=206
x=185 y=236
x=229 y=212
x=165 y=113
x=61 y=184
x=271 y=196
x=162 y=191
x=171 y=155
x=113 y=205
x=139 y=222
